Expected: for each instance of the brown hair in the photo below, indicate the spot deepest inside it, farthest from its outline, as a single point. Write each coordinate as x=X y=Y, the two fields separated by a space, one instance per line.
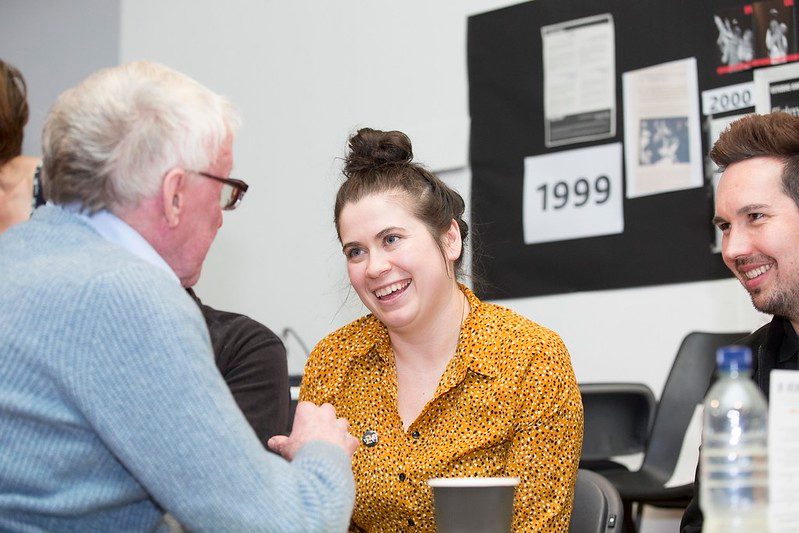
x=13 y=111
x=773 y=135
x=382 y=161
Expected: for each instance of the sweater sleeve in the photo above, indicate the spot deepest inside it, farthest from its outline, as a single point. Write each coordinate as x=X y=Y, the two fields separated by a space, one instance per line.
x=148 y=386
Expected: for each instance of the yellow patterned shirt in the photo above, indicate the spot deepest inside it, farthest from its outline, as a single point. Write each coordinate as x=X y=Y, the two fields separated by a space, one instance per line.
x=507 y=405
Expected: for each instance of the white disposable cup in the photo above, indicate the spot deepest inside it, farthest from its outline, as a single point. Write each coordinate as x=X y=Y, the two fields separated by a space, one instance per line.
x=473 y=504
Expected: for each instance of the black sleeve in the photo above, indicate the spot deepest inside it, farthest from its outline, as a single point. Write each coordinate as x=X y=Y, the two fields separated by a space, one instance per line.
x=38 y=190
x=692 y=518
x=252 y=360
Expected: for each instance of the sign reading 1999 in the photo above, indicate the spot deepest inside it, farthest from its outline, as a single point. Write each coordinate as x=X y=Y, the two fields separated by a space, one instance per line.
x=557 y=196
x=573 y=194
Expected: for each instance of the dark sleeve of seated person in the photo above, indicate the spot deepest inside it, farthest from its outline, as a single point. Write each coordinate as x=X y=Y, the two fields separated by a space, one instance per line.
x=252 y=360
x=692 y=519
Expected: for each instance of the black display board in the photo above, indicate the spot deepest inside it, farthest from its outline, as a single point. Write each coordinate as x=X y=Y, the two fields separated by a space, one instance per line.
x=667 y=237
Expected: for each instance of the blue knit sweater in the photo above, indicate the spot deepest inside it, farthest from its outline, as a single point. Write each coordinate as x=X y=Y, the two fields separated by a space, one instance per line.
x=112 y=410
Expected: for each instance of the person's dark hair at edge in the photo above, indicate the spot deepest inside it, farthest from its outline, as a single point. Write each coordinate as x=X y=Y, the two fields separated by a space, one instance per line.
x=13 y=111
x=382 y=162
x=773 y=135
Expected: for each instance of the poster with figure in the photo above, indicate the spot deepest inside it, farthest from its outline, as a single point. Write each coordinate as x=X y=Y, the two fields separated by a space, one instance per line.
x=775 y=31
x=661 y=129
x=735 y=39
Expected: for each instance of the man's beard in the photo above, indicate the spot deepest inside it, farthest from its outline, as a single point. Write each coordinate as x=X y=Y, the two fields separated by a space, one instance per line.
x=782 y=302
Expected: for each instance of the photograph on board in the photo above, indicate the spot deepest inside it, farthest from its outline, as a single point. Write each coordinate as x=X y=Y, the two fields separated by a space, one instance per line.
x=774 y=22
x=663 y=140
x=734 y=39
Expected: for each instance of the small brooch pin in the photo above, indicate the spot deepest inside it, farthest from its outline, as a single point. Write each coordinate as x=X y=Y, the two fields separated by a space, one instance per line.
x=369 y=438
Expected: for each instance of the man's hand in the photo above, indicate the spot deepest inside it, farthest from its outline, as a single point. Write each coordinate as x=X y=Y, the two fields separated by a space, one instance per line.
x=314 y=423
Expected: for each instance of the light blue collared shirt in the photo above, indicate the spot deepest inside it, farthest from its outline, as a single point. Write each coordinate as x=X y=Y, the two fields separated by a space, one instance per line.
x=117 y=231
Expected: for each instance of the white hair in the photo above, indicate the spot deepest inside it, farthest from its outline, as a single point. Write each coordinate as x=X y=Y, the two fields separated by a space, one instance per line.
x=109 y=141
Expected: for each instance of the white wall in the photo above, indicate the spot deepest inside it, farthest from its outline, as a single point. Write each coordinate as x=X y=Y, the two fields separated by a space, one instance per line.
x=55 y=44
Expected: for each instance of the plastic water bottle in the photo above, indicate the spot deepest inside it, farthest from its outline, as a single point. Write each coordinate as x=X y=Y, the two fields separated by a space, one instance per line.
x=734 y=460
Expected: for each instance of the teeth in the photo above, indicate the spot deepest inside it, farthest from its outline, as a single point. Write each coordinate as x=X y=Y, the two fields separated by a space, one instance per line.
x=394 y=287
x=752 y=274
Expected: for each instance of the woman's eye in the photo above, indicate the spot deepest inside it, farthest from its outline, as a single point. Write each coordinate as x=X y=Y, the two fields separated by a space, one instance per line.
x=352 y=253
x=755 y=216
x=723 y=226
x=391 y=239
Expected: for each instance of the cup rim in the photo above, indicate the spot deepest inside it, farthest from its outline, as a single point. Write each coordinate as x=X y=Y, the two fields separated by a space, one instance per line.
x=473 y=482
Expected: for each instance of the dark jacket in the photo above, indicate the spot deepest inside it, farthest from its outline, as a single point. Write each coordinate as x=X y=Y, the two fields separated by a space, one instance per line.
x=252 y=360
x=765 y=344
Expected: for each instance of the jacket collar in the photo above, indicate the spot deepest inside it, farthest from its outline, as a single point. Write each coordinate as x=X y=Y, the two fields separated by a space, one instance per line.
x=790 y=343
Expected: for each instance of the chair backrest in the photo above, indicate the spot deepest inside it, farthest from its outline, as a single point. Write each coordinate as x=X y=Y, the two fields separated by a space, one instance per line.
x=685 y=388
x=617 y=417
x=597 y=505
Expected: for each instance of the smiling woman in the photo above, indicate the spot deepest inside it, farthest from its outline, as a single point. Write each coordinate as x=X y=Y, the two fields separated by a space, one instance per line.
x=435 y=382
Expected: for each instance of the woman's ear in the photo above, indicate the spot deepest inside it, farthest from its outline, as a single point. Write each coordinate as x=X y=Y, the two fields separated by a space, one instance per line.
x=453 y=245
x=173 y=195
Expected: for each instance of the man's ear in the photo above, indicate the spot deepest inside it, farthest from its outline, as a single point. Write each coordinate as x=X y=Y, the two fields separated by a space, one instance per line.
x=173 y=195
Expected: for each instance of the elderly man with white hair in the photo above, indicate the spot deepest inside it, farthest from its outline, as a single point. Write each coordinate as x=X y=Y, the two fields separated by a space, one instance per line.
x=112 y=411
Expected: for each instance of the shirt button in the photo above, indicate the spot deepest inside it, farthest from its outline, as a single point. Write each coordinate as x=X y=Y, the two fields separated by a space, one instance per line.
x=402 y=477
x=410 y=522
x=415 y=434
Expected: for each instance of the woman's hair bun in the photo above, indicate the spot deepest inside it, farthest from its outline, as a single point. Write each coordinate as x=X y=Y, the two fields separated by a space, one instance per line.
x=370 y=149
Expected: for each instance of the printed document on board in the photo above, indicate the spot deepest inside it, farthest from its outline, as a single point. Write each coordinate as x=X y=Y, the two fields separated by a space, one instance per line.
x=662 y=143
x=579 y=80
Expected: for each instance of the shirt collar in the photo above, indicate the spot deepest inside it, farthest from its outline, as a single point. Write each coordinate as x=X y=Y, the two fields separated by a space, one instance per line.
x=116 y=231
x=481 y=358
x=790 y=342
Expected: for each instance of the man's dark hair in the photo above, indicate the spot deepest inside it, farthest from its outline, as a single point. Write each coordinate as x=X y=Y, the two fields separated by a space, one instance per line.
x=773 y=135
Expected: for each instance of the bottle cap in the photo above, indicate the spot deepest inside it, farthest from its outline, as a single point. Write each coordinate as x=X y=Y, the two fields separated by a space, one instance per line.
x=734 y=359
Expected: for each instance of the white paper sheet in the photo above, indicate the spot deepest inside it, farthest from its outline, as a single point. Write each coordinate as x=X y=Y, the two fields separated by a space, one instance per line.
x=579 y=59
x=661 y=129
x=573 y=194
x=783 y=451
x=777 y=89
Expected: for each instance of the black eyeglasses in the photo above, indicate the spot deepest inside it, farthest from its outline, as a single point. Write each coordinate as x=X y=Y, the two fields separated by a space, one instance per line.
x=232 y=191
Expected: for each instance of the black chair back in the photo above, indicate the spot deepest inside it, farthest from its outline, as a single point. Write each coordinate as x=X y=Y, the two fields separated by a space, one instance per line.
x=597 y=505
x=617 y=418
